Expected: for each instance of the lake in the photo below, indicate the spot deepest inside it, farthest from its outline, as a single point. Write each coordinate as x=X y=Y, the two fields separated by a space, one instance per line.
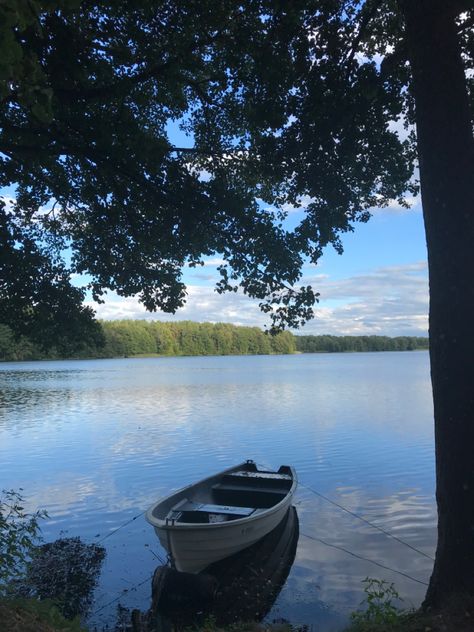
x=96 y=442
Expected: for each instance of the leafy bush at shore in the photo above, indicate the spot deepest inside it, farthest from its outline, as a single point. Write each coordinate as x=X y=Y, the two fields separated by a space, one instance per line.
x=380 y=608
x=19 y=532
x=46 y=587
x=31 y=615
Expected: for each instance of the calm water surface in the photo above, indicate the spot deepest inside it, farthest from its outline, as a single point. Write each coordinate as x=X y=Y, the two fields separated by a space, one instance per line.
x=96 y=442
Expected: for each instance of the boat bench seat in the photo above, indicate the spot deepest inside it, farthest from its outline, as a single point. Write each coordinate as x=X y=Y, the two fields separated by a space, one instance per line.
x=258 y=475
x=258 y=495
x=235 y=487
x=186 y=505
x=226 y=509
x=265 y=481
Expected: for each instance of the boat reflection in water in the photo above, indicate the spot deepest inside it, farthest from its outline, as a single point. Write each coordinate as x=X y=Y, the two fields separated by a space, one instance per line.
x=242 y=587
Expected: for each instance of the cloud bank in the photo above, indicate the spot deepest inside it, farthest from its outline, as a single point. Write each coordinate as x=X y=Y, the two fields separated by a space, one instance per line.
x=389 y=301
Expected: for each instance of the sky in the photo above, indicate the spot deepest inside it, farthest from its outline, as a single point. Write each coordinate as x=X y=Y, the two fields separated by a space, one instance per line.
x=378 y=286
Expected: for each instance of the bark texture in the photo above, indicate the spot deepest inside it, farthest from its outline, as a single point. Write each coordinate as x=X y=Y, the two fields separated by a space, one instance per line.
x=446 y=155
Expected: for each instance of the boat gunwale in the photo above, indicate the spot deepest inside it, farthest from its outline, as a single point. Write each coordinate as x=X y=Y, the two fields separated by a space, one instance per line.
x=167 y=525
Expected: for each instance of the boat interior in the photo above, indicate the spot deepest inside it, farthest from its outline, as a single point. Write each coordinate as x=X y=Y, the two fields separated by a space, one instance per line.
x=229 y=496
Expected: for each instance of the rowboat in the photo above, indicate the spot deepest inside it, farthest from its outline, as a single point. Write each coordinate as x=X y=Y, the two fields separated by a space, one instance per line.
x=242 y=587
x=220 y=515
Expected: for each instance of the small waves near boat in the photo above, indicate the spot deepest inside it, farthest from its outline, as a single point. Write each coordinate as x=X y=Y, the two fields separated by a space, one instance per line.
x=221 y=515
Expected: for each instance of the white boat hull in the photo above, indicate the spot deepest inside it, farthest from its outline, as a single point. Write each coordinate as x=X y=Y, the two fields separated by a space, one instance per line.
x=197 y=532
x=192 y=549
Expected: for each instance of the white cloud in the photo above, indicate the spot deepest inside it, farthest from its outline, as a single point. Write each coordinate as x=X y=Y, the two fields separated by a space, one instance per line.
x=400 y=128
x=195 y=271
x=9 y=202
x=387 y=301
x=214 y=262
x=394 y=206
x=203 y=304
x=303 y=202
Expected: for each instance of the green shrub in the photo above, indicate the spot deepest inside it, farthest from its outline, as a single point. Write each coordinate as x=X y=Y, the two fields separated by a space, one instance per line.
x=19 y=532
x=379 y=602
x=31 y=615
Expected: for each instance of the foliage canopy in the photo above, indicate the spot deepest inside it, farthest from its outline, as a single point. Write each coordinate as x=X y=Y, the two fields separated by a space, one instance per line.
x=282 y=104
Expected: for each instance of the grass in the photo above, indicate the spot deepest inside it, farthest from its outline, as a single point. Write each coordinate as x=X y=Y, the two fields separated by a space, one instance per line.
x=31 y=615
x=457 y=615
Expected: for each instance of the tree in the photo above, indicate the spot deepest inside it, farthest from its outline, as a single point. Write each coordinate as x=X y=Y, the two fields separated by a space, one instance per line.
x=86 y=95
x=37 y=298
x=285 y=102
x=446 y=156
x=316 y=98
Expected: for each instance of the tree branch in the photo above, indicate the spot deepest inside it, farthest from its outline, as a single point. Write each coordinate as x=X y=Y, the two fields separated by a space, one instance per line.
x=367 y=12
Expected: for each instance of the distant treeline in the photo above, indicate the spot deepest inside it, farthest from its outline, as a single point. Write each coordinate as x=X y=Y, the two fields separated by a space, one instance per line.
x=138 y=337
x=331 y=344
x=125 y=338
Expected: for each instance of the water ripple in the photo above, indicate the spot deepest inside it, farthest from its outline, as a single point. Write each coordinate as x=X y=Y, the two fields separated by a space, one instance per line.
x=95 y=442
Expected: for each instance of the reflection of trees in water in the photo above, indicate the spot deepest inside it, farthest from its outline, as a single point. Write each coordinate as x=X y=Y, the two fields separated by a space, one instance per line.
x=30 y=400
x=67 y=571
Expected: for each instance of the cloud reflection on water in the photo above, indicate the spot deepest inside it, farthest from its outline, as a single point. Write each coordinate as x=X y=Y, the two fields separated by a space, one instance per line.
x=96 y=442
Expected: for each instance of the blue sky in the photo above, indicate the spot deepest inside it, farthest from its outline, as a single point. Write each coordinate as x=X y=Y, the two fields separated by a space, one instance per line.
x=378 y=285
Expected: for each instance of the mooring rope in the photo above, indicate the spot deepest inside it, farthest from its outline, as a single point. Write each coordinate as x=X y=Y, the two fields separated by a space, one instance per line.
x=127 y=590
x=123 y=592
x=368 y=522
x=306 y=535
x=361 y=557
x=316 y=493
x=121 y=527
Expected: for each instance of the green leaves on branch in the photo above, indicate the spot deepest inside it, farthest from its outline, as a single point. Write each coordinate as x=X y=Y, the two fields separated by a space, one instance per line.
x=19 y=532
x=22 y=78
x=37 y=299
x=380 y=597
x=285 y=107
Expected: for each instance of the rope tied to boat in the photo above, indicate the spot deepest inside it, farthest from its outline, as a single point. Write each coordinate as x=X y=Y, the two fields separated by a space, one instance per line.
x=121 y=527
x=361 y=518
x=368 y=522
x=365 y=559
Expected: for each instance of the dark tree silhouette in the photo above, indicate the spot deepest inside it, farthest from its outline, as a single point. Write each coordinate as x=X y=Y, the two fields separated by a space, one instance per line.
x=283 y=102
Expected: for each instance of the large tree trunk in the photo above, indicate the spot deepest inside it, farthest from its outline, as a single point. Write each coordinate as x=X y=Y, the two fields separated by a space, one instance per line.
x=446 y=155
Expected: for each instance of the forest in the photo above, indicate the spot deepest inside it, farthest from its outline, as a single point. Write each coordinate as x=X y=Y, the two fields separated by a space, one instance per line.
x=128 y=338
x=331 y=344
